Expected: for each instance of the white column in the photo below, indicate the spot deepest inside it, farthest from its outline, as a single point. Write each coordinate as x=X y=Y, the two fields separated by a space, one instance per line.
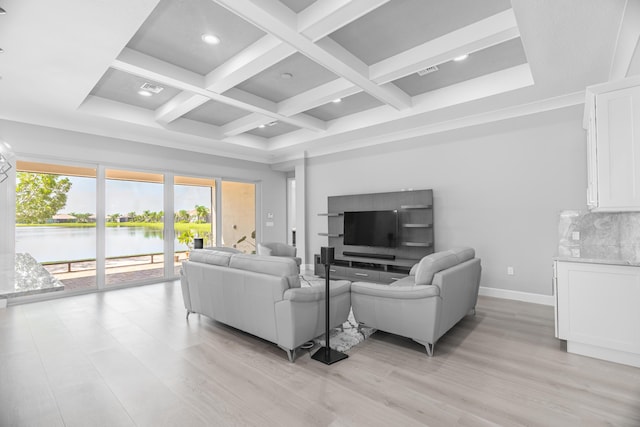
x=8 y=224
x=301 y=210
x=101 y=232
x=169 y=233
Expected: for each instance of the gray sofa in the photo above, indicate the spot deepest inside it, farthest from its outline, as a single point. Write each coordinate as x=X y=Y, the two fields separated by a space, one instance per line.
x=440 y=290
x=260 y=295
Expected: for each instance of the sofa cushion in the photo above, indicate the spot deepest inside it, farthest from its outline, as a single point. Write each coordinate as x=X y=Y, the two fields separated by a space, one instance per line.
x=209 y=256
x=224 y=249
x=263 y=250
x=431 y=264
x=274 y=266
x=464 y=253
x=405 y=281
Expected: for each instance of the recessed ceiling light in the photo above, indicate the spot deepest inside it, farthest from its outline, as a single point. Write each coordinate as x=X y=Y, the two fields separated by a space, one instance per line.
x=144 y=93
x=337 y=100
x=286 y=76
x=460 y=58
x=1 y=50
x=2 y=11
x=261 y=126
x=210 y=39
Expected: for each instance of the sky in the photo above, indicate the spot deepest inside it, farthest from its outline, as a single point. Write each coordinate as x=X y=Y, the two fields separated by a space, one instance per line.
x=129 y=196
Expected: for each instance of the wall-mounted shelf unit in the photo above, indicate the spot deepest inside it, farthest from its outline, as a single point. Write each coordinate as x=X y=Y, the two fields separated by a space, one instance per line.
x=414 y=235
x=416 y=244
x=409 y=207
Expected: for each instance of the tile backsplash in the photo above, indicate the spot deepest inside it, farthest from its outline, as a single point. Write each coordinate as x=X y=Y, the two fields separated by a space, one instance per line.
x=603 y=235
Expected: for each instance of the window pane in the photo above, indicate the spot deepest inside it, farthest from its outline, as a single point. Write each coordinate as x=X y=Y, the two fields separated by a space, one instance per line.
x=194 y=215
x=134 y=226
x=239 y=216
x=55 y=227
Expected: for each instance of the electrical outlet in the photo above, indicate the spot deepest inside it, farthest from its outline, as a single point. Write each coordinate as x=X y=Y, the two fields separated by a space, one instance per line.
x=510 y=271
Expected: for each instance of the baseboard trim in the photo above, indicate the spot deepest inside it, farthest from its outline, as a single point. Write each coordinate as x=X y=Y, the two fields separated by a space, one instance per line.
x=517 y=295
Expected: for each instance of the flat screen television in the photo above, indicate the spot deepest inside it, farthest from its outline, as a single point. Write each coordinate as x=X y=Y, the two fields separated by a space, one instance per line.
x=371 y=228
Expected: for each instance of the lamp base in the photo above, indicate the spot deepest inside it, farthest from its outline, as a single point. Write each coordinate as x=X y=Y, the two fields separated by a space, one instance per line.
x=328 y=359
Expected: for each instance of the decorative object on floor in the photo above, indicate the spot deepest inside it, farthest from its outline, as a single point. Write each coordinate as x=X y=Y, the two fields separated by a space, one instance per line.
x=32 y=277
x=326 y=354
x=4 y=168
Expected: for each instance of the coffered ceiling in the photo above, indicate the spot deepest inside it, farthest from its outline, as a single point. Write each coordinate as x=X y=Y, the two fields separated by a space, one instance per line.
x=296 y=76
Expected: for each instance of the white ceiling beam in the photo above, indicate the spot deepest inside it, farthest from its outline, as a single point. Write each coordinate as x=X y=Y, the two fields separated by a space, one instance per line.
x=316 y=21
x=276 y=19
x=178 y=106
x=115 y=110
x=485 y=86
x=479 y=35
x=320 y=95
x=324 y=17
x=259 y=56
x=299 y=120
x=245 y=124
x=628 y=39
x=139 y=64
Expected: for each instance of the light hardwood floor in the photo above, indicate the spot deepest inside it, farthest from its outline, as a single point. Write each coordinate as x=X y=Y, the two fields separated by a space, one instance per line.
x=128 y=357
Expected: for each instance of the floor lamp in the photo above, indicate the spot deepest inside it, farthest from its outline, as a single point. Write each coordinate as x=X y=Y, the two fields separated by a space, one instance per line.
x=326 y=354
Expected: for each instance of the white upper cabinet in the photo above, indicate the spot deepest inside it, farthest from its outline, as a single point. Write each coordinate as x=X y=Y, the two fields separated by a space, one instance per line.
x=612 y=120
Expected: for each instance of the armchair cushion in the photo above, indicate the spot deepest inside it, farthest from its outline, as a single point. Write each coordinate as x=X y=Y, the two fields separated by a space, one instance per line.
x=432 y=264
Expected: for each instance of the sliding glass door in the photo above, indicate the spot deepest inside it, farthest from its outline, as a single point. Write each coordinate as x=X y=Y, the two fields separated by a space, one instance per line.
x=194 y=215
x=55 y=227
x=58 y=208
x=134 y=233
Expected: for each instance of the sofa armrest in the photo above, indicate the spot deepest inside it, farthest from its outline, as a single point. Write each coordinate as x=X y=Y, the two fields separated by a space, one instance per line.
x=316 y=293
x=301 y=313
x=396 y=292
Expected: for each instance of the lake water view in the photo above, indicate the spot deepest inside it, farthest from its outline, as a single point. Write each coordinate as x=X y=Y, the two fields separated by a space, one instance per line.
x=51 y=243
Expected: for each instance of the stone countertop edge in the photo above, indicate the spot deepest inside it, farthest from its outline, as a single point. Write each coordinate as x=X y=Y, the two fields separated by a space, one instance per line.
x=598 y=261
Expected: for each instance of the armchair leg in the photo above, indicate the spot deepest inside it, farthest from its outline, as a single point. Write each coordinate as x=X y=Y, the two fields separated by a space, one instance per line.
x=188 y=313
x=291 y=354
x=428 y=346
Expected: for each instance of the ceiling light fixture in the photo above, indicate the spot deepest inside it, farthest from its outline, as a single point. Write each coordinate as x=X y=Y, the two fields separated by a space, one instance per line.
x=286 y=76
x=2 y=11
x=461 y=57
x=337 y=100
x=210 y=39
x=261 y=126
x=144 y=93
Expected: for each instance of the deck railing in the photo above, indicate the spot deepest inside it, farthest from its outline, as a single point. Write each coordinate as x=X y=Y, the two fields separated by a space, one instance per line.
x=152 y=259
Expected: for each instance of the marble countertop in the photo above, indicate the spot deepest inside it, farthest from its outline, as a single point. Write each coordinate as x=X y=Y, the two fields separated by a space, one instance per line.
x=598 y=261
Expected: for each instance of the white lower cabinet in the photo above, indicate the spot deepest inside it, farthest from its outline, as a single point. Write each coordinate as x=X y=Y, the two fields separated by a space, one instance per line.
x=598 y=310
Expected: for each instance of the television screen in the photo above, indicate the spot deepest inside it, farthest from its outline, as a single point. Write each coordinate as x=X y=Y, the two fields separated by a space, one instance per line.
x=371 y=228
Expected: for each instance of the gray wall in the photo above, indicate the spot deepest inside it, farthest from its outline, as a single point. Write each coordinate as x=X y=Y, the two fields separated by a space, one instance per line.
x=498 y=188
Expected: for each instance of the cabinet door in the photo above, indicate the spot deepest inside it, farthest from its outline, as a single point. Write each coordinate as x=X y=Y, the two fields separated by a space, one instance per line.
x=598 y=305
x=618 y=149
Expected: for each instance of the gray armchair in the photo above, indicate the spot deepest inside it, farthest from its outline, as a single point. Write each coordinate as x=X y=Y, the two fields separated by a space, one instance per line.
x=278 y=249
x=423 y=306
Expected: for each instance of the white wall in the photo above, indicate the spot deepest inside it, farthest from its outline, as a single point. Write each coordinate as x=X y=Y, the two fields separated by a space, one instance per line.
x=66 y=146
x=498 y=188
